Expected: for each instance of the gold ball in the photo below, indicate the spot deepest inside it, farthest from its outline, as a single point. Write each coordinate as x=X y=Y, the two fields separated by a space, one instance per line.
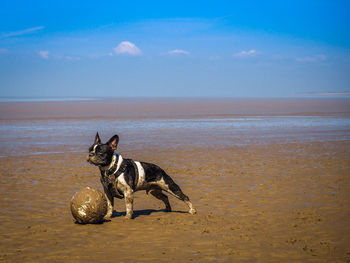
x=89 y=206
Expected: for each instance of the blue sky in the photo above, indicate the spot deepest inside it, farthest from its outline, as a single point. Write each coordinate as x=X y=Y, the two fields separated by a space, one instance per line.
x=180 y=48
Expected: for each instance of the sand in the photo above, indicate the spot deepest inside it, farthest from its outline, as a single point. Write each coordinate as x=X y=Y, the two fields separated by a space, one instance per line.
x=271 y=202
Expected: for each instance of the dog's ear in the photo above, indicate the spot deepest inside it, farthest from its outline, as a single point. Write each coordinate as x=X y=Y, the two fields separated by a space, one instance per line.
x=97 y=139
x=113 y=142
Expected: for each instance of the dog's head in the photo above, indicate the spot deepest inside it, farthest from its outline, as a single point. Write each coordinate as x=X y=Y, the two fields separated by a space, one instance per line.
x=101 y=154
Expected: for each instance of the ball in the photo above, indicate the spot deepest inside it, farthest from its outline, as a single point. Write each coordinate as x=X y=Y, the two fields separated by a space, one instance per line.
x=89 y=206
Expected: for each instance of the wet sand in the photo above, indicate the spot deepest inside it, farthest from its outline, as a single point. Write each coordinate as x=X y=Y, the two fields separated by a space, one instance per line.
x=272 y=202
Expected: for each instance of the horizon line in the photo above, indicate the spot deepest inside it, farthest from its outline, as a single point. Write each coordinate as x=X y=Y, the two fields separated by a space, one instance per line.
x=94 y=98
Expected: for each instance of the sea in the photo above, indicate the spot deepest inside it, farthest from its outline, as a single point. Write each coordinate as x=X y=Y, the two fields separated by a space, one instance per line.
x=53 y=131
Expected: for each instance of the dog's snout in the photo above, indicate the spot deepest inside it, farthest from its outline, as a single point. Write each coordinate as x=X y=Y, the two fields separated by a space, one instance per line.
x=89 y=156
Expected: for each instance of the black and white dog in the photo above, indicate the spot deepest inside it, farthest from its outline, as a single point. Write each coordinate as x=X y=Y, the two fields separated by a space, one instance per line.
x=122 y=177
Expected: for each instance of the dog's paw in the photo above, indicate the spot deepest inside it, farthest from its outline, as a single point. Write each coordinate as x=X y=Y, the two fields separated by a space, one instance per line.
x=108 y=215
x=128 y=216
x=192 y=211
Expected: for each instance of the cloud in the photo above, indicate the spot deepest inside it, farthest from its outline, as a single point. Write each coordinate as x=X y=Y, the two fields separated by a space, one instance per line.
x=24 y=32
x=245 y=54
x=178 y=52
x=315 y=58
x=44 y=54
x=127 y=48
x=3 y=51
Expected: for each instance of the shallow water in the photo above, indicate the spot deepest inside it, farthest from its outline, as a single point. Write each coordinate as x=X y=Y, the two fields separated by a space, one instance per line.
x=21 y=137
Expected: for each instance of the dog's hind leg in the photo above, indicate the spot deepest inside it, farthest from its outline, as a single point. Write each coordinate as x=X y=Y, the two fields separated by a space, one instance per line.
x=167 y=184
x=157 y=193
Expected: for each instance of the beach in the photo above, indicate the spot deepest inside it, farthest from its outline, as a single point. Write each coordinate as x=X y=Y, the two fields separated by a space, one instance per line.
x=269 y=179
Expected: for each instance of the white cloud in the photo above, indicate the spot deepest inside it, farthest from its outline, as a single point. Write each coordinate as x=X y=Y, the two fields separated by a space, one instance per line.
x=24 y=32
x=245 y=54
x=127 y=48
x=3 y=51
x=315 y=58
x=178 y=52
x=44 y=54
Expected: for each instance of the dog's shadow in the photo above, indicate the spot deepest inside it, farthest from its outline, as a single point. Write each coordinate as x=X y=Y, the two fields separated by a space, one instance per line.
x=136 y=213
x=144 y=212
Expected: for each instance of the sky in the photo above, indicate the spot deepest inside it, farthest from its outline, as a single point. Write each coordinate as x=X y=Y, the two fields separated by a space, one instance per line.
x=174 y=48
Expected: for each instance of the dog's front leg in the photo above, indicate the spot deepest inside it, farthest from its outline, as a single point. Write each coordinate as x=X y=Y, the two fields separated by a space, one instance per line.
x=129 y=202
x=110 y=199
x=110 y=205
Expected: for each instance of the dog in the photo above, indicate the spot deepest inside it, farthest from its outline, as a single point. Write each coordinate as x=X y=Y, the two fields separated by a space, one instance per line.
x=121 y=177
